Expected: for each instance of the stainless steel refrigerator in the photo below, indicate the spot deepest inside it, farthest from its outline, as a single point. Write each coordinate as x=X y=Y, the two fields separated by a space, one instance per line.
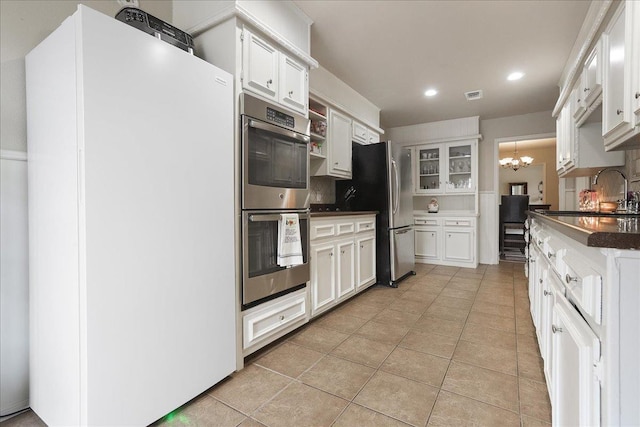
x=382 y=182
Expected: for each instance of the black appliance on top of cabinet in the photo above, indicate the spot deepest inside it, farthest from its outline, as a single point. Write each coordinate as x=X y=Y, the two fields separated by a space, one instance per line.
x=382 y=182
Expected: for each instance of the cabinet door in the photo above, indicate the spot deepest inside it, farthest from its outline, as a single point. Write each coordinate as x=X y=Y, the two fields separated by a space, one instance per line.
x=576 y=350
x=635 y=61
x=339 y=144
x=346 y=271
x=458 y=245
x=373 y=137
x=429 y=169
x=359 y=133
x=366 y=260
x=615 y=81
x=426 y=243
x=551 y=287
x=460 y=167
x=592 y=76
x=323 y=273
x=259 y=66
x=293 y=85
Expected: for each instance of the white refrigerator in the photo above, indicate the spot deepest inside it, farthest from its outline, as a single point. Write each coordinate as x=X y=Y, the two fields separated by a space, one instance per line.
x=131 y=213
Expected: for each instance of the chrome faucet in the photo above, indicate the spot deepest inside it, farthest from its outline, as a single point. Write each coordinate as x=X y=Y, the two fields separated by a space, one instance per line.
x=626 y=182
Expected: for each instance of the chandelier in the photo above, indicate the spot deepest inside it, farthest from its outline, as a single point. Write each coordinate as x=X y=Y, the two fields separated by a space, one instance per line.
x=516 y=162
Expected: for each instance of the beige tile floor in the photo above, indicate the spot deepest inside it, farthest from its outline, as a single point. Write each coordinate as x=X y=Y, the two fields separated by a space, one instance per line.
x=451 y=346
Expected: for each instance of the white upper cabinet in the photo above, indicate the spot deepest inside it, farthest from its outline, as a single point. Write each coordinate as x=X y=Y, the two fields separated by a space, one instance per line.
x=373 y=137
x=621 y=42
x=592 y=76
x=293 y=84
x=273 y=74
x=339 y=149
x=446 y=168
x=564 y=137
x=260 y=66
x=359 y=133
x=635 y=64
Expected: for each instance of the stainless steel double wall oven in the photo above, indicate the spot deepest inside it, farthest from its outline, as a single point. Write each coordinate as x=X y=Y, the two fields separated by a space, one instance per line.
x=275 y=180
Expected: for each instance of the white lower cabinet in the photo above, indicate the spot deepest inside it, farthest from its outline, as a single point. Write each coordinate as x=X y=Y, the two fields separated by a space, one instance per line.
x=576 y=357
x=427 y=235
x=366 y=260
x=266 y=322
x=446 y=240
x=343 y=259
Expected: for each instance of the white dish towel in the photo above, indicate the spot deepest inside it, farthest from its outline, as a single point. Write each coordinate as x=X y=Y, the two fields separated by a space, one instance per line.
x=289 y=245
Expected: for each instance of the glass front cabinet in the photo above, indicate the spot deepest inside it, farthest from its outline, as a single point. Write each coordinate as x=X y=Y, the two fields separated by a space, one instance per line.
x=446 y=168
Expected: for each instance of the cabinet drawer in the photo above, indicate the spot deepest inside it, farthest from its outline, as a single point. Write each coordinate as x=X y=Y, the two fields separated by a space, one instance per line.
x=321 y=230
x=345 y=228
x=426 y=221
x=584 y=286
x=266 y=321
x=458 y=222
x=365 y=225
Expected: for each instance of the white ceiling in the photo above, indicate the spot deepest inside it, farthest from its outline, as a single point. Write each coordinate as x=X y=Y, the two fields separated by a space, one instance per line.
x=392 y=51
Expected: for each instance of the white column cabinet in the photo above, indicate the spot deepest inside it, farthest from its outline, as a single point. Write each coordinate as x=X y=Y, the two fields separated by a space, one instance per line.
x=576 y=356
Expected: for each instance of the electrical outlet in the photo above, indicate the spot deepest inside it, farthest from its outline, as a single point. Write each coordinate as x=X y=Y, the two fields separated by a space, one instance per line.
x=128 y=3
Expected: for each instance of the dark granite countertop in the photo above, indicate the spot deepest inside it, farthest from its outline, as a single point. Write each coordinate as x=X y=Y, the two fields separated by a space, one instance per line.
x=600 y=230
x=341 y=213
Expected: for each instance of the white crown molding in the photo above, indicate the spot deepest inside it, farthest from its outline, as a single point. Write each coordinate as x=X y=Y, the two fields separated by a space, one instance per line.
x=236 y=10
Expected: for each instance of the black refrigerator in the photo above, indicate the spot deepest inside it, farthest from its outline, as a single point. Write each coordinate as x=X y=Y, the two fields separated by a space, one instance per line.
x=382 y=182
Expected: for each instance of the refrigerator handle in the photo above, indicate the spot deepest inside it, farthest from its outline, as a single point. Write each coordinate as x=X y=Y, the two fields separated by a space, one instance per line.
x=396 y=192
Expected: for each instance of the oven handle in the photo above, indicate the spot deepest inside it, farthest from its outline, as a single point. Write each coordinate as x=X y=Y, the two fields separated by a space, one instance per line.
x=275 y=129
x=273 y=217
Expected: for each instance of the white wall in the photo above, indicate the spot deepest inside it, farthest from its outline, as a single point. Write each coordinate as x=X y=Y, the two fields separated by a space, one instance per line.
x=23 y=25
x=532 y=175
x=503 y=127
x=338 y=92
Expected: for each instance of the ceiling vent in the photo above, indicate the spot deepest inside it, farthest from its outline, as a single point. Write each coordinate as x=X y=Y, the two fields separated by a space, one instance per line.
x=473 y=95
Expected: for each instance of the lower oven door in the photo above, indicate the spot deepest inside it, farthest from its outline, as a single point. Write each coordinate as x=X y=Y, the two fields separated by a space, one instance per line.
x=262 y=277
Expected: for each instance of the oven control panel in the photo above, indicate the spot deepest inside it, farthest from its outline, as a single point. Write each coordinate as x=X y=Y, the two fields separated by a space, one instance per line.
x=280 y=118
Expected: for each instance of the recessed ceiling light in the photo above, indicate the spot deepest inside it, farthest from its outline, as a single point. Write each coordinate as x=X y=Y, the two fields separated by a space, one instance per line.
x=431 y=92
x=515 y=76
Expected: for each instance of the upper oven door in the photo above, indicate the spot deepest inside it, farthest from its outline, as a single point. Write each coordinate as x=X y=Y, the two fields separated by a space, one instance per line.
x=275 y=166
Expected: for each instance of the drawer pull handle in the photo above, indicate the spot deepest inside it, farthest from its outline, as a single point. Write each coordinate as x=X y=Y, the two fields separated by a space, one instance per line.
x=539 y=242
x=546 y=293
x=531 y=260
x=290 y=94
x=637 y=95
x=618 y=112
x=570 y=279
x=540 y=281
x=270 y=81
x=282 y=317
x=550 y=255
x=586 y=89
x=555 y=329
